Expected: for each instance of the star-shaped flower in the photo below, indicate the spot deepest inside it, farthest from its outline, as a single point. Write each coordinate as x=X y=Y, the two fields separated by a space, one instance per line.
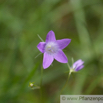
x=78 y=65
x=52 y=49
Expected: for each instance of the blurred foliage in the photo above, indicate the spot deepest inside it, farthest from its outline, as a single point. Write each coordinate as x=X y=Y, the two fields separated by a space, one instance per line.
x=22 y=20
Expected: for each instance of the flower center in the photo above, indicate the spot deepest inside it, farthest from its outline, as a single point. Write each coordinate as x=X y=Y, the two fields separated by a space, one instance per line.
x=51 y=48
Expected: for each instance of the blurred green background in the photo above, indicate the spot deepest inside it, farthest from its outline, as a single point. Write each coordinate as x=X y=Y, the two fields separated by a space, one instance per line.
x=22 y=20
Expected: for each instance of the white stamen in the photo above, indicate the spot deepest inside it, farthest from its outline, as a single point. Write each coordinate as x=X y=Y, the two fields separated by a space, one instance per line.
x=51 y=48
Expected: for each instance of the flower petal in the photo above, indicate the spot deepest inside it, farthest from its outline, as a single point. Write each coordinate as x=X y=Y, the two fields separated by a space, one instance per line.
x=61 y=57
x=79 y=68
x=47 y=60
x=63 y=43
x=78 y=63
x=41 y=46
x=50 y=36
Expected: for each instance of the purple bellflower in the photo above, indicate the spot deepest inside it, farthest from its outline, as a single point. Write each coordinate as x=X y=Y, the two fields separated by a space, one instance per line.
x=78 y=65
x=52 y=49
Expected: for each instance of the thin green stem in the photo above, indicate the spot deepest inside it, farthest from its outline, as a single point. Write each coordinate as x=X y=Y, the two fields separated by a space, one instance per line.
x=41 y=76
x=41 y=84
x=68 y=65
x=72 y=62
x=40 y=38
x=65 y=83
x=67 y=79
